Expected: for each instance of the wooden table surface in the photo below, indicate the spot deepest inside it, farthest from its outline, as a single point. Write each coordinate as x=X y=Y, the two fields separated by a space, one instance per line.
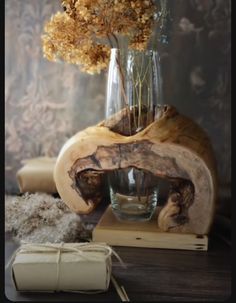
x=152 y=275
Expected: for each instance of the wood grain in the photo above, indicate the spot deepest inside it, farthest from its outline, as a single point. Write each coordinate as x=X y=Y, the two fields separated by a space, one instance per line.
x=172 y=147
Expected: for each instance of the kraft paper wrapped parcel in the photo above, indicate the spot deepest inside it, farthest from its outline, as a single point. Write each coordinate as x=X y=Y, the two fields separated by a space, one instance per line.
x=36 y=175
x=62 y=267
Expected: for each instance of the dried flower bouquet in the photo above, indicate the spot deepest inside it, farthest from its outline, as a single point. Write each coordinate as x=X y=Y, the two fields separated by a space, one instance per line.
x=87 y=29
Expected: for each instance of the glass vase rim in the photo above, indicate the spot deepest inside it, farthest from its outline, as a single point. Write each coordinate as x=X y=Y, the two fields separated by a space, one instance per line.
x=129 y=50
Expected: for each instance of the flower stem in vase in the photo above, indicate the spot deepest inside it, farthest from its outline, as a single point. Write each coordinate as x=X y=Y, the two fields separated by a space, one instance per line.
x=133 y=191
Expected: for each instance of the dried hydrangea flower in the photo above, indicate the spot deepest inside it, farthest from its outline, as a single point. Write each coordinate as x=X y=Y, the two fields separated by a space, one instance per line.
x=82 y=33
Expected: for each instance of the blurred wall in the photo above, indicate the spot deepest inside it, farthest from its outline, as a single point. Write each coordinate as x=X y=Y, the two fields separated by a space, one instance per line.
x=46 y=103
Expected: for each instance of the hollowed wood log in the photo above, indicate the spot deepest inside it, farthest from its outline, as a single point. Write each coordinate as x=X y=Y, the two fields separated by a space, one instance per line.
x=172 y=147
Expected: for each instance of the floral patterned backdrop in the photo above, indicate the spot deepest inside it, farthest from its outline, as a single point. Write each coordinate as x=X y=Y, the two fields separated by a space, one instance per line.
x=46 y=103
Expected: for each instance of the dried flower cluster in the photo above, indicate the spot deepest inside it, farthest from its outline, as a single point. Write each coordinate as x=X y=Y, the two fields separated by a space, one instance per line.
x=42 y=218
x=84 y=33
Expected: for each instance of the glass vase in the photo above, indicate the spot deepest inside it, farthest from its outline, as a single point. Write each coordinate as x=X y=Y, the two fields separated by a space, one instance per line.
x=133 y=89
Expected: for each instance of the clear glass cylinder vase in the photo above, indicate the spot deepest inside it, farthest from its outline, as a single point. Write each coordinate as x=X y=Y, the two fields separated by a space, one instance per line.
x=134 y=91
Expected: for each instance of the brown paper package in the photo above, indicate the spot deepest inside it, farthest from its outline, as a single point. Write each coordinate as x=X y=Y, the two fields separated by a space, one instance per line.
x=36 y=175
x=38 y=268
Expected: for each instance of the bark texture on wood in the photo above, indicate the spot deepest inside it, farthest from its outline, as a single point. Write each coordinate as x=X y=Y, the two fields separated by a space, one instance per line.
x=172 y=147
